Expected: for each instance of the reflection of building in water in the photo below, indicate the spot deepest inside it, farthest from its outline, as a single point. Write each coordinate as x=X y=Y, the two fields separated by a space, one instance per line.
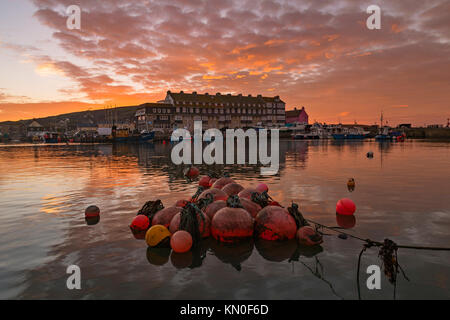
x=180 y=110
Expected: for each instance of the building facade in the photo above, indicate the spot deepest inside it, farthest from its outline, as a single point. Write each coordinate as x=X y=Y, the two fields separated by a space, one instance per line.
x=298 y=116
x=180 y=110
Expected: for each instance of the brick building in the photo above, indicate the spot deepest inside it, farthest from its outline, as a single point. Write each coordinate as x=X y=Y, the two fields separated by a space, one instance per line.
x=180 y=110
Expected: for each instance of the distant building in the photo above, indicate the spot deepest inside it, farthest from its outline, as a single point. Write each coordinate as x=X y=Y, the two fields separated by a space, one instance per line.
x=180 y=110
x=35 y=129
x=297 y=116
x=87 y=127
x=404 y=126
x=435 y=126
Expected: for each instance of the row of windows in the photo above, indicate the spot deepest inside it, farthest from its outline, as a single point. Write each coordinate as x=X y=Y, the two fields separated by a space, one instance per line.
x=232 y=104
x=223 y=111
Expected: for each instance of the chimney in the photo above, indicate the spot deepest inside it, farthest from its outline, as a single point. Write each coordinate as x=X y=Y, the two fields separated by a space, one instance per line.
x=249 y=95
x=207 y=94
x=181 y=92
x=218 y=94
x=240 y=95
x=194 y=93
x=259 y=96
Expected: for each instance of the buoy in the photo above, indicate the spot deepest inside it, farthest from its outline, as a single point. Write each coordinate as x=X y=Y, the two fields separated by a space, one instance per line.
x=92 y=211
x=140 y=223
x=275 y=203
x=308 y=236
x=252 y=207
x=212 y=181
x=217 y=194
x=203 y=225
x=165 y=216
x=247 y=193
x=222 y=182
x=346 y=222
x=181 y=241
x=232 y=189
x=191 y=172
x=212 y=208
x=351 y=184
x=370 y=154
x=275 y=223
x=262 y=187
x=91 y=221
x=157 y=236
x=232 y=224
x=345 y=207
x=204 y=182
x=181 y=203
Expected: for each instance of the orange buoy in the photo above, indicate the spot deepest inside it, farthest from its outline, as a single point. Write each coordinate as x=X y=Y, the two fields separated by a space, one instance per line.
x=217 y=194
x=139 y=223
x=275 y=223
x=232 y=189
x=203 y=225
x=252 y=207
x=181 y=241
x=222 y=182
x=92 y=211
x=308 y=236
x=191 y=172
x=346 y=222
x=247 y=193
x=212 y=208
x=181 y=203
x=345 y=207
x=165 y=216
x=262 y=187
x=232 y=223
x=204 y=182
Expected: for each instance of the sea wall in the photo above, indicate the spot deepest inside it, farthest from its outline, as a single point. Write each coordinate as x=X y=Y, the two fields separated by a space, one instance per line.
x=428 y=133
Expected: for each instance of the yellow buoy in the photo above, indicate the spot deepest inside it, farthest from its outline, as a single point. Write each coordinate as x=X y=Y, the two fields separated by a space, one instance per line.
x=157 y=235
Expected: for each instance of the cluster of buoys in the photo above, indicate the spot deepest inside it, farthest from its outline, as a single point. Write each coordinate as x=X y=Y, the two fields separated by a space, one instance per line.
x=228 y=212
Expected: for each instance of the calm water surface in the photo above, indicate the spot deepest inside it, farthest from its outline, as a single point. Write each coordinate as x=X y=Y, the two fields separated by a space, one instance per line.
x=401 y=194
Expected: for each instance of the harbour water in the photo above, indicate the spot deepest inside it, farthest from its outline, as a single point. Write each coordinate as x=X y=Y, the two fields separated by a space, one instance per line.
x=402 y=193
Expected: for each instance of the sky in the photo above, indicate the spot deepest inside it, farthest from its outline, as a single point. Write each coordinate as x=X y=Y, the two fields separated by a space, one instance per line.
x=317 y=54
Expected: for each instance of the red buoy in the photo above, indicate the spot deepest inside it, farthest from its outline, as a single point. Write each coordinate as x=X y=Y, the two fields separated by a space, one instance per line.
x=203 y=226
x=232 y=225
x=345 y=207
x=232 y=189
x=217 y=194
x=191 y=172
x=252 y=207
x=204 y=182
x=165 y=216
x=181 y=203
x=92 y=212
x=275 y=223
x=346 y=222
x=222 y=182
x=247 y=193
x=181 y=241
x=308 y=236
x=140 y=223
x=212 y=208
x=262 y=187
x=212 y=181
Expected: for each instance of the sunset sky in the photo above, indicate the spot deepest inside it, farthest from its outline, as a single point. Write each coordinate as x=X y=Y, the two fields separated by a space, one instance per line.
x=317 y=54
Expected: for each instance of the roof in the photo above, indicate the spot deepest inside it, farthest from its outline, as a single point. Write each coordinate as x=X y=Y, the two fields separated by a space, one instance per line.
x=212 y=99
x=87 y=125
x=295 y=113
x=35 y=124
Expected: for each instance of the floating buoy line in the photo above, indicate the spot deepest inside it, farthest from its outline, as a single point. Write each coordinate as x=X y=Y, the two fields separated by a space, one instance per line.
x=229 y=212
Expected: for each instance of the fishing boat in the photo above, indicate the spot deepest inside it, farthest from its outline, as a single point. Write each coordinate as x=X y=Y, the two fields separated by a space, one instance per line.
x=384 y=133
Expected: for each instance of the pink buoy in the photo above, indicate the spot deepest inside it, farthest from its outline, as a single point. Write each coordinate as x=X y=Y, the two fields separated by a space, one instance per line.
x=181 y=241
x=345 y=207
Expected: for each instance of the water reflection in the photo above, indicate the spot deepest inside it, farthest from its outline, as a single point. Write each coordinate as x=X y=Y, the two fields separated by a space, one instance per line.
x=401 y=194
